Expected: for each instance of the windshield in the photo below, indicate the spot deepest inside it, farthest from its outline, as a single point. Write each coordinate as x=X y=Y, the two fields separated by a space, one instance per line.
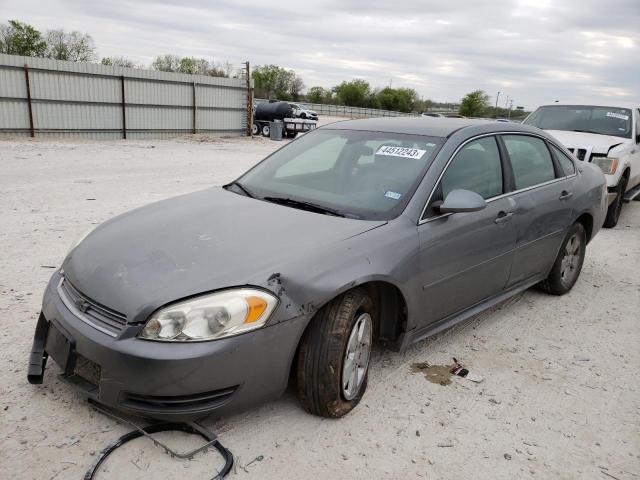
x=601 y=120
x=368 y=175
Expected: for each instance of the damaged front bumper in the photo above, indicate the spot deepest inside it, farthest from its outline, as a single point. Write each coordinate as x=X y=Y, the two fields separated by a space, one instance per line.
x=174 y=381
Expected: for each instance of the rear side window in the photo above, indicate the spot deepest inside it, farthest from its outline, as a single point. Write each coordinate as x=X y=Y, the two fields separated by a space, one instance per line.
x=530 y=160
x=568 y=167
x=477 y=168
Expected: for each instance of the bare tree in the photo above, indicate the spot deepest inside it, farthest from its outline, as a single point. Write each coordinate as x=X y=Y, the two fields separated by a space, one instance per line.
x=119 y=62
x=71 y=46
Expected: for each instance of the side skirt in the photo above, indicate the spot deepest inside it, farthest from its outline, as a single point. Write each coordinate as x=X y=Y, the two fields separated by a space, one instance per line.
x=456 y=318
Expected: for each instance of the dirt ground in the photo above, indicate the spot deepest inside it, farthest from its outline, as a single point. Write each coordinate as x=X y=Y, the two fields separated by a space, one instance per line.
x=560 y=399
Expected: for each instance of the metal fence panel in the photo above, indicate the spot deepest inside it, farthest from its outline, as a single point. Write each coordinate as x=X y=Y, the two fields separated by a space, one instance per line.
x=84 y=100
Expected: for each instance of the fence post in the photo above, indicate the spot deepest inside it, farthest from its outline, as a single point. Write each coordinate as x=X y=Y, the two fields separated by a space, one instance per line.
x=26 y=77
x=249 y=100
x=193 y=130
x=124 y=109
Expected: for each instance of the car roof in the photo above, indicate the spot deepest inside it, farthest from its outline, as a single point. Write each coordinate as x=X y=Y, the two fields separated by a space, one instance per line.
x=429 y=126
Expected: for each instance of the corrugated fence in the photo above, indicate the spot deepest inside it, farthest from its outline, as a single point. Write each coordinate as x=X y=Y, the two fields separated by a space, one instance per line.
x=42 y=97
x=345 y=111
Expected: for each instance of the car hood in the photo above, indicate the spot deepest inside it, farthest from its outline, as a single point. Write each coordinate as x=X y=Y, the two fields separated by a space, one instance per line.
x=195 y=243
x=598 y=143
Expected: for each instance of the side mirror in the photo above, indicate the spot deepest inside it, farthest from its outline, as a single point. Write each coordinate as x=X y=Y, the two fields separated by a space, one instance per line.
x=462 y=201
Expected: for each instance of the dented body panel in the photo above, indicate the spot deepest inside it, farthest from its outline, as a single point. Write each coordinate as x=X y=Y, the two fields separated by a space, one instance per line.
x=215 y=239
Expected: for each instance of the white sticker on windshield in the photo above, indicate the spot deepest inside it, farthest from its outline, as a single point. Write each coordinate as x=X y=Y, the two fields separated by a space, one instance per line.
x=403 y=152
x=618 y=115
x=394 y=195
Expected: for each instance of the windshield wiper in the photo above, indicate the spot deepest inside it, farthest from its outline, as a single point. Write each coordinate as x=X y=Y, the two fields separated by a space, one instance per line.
x=241 y=187
x=302 y=205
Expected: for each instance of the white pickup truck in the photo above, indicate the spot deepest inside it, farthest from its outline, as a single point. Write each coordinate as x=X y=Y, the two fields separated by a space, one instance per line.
x=608 y=136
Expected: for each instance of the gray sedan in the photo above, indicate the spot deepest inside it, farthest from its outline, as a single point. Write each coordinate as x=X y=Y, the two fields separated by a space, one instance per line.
x=386 y=230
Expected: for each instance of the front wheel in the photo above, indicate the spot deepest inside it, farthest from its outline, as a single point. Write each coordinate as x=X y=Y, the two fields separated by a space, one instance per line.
x=568 y=265
x=333 y=359
x=255 y=129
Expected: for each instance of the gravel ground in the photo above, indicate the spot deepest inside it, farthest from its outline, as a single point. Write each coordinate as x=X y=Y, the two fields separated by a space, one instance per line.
x=560 y=397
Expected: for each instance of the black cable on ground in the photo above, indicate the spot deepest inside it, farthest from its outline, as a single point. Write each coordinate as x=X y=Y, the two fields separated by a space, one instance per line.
x=165 y=427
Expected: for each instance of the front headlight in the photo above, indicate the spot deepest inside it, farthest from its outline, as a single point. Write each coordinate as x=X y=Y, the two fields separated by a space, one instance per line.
x=606 y=164
x=211 y=316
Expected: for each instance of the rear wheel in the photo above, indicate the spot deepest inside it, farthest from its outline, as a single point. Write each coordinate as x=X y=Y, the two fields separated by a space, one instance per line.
x=333 y=360
x=266 y=130
x=255 y=129
x=613 y=213
x=291 y=134
x=568 y=264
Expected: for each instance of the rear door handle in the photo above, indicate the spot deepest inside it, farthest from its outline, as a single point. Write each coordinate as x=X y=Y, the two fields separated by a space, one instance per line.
x=503 y=217
x=566 y=195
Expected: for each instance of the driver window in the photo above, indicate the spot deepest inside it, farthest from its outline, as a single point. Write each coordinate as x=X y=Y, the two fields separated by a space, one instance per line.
x=475 y=167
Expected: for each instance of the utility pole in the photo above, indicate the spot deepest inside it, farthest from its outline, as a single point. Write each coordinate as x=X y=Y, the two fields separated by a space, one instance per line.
x=510 y=107
x=506 y=103
x=249 y=98
x=495 y=112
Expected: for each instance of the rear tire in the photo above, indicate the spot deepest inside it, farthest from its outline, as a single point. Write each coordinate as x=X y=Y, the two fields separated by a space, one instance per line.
x=266 y=130
x=255 y=129
x=613 y=212
x=291 y=134
x=333 y=359
x=566 y=269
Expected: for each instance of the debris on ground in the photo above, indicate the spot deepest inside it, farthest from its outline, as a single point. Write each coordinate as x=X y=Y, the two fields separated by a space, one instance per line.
x=441 y=374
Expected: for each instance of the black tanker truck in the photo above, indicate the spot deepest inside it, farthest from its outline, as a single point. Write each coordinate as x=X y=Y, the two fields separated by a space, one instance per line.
x=266 y=113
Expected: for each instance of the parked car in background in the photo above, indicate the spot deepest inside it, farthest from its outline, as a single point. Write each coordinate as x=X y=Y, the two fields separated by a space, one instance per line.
x=302 y=111
x=432 y=114
x=607 y=136
x=389 y=229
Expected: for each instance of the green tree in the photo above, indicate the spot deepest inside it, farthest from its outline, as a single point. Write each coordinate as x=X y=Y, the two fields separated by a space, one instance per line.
x=316 y=95
x=17 y=38
x=397 y=99
x=355 y=93
x=474 y=104
x=70 y=46
x=272 y=81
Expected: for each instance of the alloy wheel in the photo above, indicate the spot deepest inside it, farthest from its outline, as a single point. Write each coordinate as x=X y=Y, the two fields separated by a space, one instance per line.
x=356 y=356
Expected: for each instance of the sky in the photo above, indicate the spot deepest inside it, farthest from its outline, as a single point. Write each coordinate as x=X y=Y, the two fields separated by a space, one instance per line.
x=532 y=51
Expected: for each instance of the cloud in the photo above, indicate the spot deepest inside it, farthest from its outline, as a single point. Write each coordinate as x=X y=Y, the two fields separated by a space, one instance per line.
x=535 y=51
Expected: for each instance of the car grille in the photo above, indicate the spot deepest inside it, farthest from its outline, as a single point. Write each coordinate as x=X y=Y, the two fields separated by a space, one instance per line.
x=178 y=403
x=579 y=153
x=102 y=318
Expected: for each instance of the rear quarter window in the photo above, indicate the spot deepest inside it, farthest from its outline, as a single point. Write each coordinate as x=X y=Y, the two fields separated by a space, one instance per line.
x=568 y=167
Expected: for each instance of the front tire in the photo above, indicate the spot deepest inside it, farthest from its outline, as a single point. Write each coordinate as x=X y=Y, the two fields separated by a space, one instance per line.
x=255 y=129
x=333 y=359
x=613 y=212
x=568 y=265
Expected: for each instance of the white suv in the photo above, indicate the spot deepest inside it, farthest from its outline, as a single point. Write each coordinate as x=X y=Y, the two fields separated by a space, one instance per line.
x=301 y=111
x=608 y=136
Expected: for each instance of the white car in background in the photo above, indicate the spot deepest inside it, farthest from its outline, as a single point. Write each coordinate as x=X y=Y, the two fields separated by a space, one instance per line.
x=607 y=136
x=301 y=111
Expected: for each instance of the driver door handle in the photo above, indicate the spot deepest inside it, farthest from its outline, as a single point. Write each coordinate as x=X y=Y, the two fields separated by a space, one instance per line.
x=566 y=195
x=503 y=217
